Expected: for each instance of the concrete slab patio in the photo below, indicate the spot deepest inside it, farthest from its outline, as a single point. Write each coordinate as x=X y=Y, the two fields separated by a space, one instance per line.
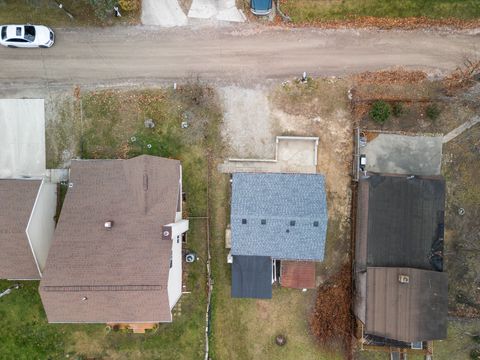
x=292 y=155
x=400 y=154
x=22 y=138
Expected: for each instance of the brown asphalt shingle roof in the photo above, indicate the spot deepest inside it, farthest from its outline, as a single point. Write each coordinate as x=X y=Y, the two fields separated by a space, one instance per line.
x=406 y=312
x=298 y=274
x=17 y=198
x=123 y=272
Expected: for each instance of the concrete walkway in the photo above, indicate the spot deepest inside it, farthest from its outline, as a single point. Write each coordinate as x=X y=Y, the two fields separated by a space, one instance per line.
x=166 y=13
x=457 y=131
x=223 y=10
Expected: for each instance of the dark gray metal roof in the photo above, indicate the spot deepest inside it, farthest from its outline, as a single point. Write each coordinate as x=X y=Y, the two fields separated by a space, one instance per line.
x=294 y=210
x=403 y=220
x=252 y=277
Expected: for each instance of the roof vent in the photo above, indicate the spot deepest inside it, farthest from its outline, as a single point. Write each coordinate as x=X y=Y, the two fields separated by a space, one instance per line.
x=145 y=182
x=292 y=222
x=84 y=298
x=403 y=279
x=315 y=223
x=244 y=221
x=108 y=224
x=263 y=221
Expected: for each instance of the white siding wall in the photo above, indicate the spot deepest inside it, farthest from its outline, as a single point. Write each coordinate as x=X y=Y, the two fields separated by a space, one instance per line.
x=41 y=224
x=175 y=274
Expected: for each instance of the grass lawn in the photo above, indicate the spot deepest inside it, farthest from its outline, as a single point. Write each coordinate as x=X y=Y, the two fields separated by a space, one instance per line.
x=110 y=120
x=459 y=342
x=47 y=12
x=318 y=10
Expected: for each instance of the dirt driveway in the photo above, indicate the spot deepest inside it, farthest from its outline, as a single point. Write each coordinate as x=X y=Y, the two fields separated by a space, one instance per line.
x=239 y=54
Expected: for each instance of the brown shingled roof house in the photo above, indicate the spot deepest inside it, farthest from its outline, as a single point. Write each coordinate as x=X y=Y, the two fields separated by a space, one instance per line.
x=401 y=289
x=116 y=256
x=26 y=227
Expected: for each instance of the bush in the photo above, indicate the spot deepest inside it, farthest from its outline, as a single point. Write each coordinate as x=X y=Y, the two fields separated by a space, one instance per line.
x=380 y=111
x=475 y=354
x=433 y=112
x=397 y=109
x=128 y=5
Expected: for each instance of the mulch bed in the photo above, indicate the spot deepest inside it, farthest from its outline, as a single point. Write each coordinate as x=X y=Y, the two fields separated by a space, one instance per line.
x=332 y=321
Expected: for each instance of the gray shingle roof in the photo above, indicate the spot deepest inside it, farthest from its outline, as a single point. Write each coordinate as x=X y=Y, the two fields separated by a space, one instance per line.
x=279 y=199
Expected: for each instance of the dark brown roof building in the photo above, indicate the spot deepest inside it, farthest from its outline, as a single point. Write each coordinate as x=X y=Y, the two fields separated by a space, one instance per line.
x=401 y=290
x=17 y=198
x=111 y=259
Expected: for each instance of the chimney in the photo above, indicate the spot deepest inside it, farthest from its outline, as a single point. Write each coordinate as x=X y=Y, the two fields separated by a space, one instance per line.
x=167 y=233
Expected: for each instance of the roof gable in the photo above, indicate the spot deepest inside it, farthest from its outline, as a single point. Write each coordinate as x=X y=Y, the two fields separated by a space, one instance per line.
x=17 y=198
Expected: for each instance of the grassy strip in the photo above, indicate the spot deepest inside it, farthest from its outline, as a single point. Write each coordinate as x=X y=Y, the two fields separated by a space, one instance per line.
x=316 y=10
x=47 y=12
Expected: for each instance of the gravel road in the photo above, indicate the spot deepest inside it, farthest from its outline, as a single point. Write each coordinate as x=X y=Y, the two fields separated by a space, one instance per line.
x=245 y=54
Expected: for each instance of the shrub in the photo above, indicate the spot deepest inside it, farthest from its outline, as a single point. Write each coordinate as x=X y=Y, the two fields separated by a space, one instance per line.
x=128 y=5
x=397 y=109
x=475 y=354
x=433 y=111
x=380 y=111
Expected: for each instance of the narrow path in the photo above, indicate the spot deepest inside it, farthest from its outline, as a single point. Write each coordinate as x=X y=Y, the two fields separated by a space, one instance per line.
x=459 y=130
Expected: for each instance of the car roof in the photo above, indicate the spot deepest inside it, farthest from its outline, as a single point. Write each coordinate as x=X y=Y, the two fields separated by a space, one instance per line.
x=15 y=31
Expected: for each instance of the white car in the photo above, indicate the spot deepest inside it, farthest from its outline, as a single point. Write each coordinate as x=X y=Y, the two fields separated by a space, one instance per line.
x=26 y=36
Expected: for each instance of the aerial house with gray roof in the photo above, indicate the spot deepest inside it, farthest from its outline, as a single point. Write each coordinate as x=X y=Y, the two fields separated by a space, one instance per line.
x=278 y=231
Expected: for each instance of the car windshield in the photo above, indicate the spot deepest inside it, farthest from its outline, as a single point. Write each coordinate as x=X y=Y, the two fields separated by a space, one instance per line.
x=4 y=32
x=30 y=33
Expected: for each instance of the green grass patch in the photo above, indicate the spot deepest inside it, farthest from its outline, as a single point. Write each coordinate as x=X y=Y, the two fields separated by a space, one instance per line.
x=47 y=12
x=318 y=10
